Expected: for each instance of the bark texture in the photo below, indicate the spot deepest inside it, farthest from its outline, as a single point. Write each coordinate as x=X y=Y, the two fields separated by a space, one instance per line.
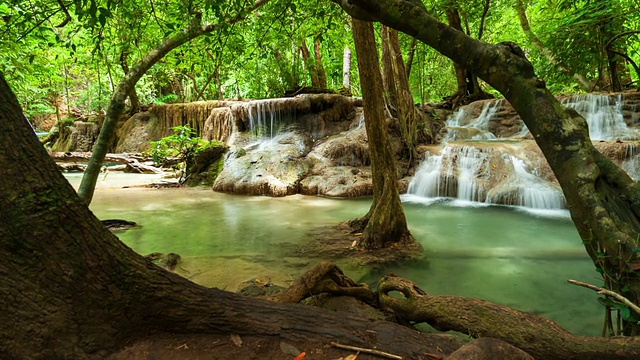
x=602 y=198
x=386 y=223
x=72 y=290
x=536 y=335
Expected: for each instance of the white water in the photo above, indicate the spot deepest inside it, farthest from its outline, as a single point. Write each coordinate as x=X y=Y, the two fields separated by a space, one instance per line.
x=603 y=114
x=453 y=174
x=528 y=190
x=478 y=129
x=459 y=171
x=267 y=117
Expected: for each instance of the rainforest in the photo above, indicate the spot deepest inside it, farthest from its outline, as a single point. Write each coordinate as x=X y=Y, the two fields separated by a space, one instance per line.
x=344 y=179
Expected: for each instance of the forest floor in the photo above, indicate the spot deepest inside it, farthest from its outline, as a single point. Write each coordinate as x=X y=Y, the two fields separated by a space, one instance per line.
x=225 y=347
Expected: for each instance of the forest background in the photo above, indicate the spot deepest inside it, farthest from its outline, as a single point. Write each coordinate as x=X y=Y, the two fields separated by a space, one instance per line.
x=67 y=65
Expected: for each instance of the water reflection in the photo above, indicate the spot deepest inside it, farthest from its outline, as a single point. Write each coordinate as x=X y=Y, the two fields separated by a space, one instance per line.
x=501 y=254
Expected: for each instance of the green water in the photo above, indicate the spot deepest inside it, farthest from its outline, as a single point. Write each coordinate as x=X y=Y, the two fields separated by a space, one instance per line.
x=500 y=254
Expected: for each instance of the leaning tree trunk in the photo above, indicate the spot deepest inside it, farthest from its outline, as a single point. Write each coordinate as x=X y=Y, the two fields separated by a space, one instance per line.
x=584 y=83
x=385 y=223
x=602 y=198
x=127 y=85
x=71 y=290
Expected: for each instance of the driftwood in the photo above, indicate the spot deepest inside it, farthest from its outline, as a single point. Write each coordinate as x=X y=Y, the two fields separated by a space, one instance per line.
x=532 y=334
x=132 y=163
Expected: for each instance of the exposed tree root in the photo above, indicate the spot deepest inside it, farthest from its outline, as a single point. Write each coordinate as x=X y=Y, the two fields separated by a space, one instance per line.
x=530 y=334
x=325 y=277
x=538 y=336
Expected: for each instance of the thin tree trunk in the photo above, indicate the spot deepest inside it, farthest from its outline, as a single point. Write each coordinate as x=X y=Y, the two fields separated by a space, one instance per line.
x=346 y=68
x=322 y=75
x=133 y=95
x=584 y=83
x=397 y=85
x=412 y=52
x=385 y=222
x=485 y=11
x=310 y=64
x=388 y=81
x=124 y=88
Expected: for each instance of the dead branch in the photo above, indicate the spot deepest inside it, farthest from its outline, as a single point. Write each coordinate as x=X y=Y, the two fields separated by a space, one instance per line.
x=613 y=294
x=367 y=351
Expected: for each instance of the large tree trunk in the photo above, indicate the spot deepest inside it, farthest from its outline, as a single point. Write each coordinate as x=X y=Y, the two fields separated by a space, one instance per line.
x=399 y=93
x=602 y=198
x=128 y=83
x=72 y=290
x=386 y=223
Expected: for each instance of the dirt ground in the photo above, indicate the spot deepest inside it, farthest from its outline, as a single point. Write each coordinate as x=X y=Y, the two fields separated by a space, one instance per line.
x=225 y=347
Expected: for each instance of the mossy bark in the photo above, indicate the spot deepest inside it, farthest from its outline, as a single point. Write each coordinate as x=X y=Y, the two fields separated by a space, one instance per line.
x=602 y=198
x=386 y=223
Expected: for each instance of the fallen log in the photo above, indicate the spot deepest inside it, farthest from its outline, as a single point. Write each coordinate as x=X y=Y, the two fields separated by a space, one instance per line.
x=132 y=163
x=109 y=158
x=540 y=337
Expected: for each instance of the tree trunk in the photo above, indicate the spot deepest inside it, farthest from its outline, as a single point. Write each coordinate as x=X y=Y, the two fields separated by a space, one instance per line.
x=128 y=83
x=310 y=64
x=584 y=83
x=399 y=93
x=72 y=290
x=346 y=68
x=322 y=75
x=385 y=223
x=469 y=89
x=412 y=52
x=602 y=199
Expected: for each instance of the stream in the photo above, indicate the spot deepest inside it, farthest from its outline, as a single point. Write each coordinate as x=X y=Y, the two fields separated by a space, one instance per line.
x=508 y=255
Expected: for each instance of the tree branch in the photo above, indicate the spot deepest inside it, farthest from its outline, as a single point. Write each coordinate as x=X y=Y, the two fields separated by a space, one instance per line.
x=606 y=292
x=68 y=18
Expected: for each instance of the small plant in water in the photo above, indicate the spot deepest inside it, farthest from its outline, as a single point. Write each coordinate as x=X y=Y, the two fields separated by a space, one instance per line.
x=181 y=145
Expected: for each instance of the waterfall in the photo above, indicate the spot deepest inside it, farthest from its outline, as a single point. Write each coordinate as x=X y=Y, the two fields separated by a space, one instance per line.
x=603 y=114
x=455 y=173
x=477 y=129
x=631 y=163
x=523 y=188
x=490 y=175
x=269 y=116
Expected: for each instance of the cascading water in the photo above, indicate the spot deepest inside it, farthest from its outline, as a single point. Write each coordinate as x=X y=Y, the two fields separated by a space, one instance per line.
x=603 y=114
x=522 y=188
x=455 y=173
x=631 y=164
x=478 y=129
x=505 y=172
x=267 y=117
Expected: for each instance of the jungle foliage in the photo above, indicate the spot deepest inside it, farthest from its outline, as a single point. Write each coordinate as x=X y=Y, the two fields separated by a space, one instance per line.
x=66 y=61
